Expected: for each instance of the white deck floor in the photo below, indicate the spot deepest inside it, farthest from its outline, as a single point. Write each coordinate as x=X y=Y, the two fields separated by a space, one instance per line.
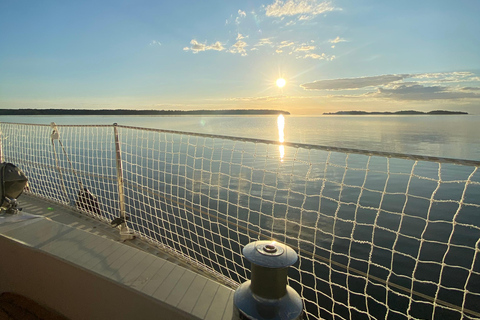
x=96 y=248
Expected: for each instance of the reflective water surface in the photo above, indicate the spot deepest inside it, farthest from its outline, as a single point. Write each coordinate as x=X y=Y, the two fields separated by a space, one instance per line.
x=452 y=136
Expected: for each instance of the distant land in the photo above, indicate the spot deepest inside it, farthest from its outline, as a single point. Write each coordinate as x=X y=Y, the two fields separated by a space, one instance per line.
x=121 y=112
x=403 y=112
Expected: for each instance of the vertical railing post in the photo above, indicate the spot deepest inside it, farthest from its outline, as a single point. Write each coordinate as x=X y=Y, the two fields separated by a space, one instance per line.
x=1 y=151
x=125 y=234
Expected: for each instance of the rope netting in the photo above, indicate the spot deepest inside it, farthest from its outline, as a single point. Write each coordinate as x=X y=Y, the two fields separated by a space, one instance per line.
x=378 y=236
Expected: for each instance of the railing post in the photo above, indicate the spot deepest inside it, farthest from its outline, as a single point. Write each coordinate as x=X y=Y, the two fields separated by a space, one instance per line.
x=1 y=151
x=267 y=295
x=125 y=234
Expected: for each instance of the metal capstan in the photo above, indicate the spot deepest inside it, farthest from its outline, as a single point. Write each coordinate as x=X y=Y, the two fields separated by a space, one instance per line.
x=12 y=183
x=267 y=295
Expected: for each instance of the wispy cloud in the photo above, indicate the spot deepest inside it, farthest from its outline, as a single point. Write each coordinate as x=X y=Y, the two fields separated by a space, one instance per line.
x=445 y=77
x=305 y=48
x=296 y=47
x=155 y=43
x=240 y=17
x=241 y=36
x=470 y=88
x=353 y=83
x=403 y=87
x=284 y=44
x=236 y=18
x=305 y=8
x=420 y=92
x=264 y=42
x=239 y=47
x=321 y=56
x=196 y=46
x=337 y=40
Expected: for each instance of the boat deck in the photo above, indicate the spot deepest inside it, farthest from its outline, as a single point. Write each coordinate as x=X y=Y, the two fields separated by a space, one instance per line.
x=78 y=247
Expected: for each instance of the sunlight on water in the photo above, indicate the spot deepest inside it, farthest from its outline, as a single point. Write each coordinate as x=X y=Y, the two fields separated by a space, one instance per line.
x=439 y=136
x=281 y=135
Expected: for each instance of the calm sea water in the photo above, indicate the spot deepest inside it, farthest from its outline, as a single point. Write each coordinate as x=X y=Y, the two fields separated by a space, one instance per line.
x=442 y=136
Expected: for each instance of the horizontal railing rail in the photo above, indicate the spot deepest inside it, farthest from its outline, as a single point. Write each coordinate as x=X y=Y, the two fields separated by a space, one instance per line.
x=378 y=234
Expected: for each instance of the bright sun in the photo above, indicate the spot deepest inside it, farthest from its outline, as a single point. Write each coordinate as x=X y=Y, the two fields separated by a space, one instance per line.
x=281 y=82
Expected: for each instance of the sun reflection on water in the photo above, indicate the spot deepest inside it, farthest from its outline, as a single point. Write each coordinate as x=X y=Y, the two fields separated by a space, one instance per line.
x=281 y=135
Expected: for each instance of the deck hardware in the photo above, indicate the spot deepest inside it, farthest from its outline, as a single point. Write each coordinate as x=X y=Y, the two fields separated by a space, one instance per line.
x=267 y=295
x=12 y=183
x=118 y=221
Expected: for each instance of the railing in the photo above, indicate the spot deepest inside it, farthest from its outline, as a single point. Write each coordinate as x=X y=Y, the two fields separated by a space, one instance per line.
x=378 y=235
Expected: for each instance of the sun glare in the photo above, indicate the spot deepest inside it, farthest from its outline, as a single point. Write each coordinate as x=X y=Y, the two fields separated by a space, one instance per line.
x=281 y=82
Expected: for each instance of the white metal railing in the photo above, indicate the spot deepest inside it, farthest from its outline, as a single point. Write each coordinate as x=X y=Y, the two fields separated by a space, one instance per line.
x=379 y=235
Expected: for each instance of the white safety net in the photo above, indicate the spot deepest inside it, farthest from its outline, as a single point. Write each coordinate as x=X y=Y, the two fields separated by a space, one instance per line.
x=378 y=235
x=75 y=168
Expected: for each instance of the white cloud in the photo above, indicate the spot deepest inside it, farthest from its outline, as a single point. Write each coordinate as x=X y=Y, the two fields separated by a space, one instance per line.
x=337 y=40
x=306 y=8
x=305 y=48
x=284 y=44
x=240 y=36
x=217 y=46
x=264 y=42
x=451 y=75
x=155 y=43
x=239 y=47
x=315 y=56
x=470 y=89
x=444 y=77
x=305 y=18
x=196 y=46
x=420 y=92
x=353 y=83
x=400 y=87
x=241 y=15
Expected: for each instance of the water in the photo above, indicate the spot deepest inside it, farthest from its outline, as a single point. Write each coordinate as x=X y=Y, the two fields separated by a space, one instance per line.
x=453 y=136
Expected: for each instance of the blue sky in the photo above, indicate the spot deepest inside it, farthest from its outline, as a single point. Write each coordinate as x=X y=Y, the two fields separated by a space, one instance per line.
x=334 y=55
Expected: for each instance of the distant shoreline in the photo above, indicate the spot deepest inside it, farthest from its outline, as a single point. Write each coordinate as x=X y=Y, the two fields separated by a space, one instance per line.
x=396 y=113
x=122 y=112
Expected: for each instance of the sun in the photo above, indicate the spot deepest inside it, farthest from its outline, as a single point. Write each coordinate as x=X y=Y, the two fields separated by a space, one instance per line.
x=281 y=82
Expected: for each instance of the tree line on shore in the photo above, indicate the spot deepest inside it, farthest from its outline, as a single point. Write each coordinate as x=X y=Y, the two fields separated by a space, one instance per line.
x=32 y=112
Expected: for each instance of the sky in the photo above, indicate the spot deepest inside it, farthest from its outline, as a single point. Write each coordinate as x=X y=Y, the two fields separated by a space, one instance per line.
x=187 y=55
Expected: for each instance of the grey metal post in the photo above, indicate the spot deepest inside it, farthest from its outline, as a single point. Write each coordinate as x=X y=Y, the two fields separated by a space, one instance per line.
x=1 y=153
x=267 y=295
x=125 y=234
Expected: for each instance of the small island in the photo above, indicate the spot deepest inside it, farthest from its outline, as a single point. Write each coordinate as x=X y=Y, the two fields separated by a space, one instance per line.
x=130 y=112
x=403 y=112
